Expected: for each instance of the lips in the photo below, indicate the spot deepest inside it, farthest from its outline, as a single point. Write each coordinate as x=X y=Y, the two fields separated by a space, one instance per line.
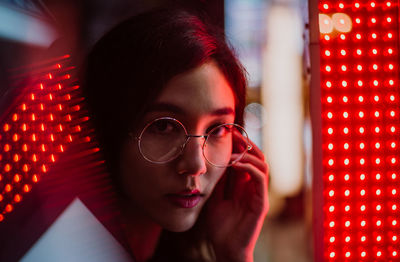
x=185 y=199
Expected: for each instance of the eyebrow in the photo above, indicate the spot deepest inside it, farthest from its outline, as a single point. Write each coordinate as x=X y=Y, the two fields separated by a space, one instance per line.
x=162 y=107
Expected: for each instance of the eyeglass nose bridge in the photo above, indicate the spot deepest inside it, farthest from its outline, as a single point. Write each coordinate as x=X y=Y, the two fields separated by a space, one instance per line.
x=188 y=136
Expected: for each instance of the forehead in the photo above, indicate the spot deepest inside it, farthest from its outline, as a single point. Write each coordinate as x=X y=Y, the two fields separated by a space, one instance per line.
x=199 y=91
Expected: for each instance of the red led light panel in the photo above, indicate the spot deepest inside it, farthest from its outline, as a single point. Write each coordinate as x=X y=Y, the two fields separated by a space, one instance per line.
x=43 y=119
x=360 y=98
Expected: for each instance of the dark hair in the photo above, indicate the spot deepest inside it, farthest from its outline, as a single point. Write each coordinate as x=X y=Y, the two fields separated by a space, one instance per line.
x=129 y=67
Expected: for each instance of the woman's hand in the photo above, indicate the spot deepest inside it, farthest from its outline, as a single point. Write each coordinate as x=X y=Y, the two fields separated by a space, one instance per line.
x=237 y=208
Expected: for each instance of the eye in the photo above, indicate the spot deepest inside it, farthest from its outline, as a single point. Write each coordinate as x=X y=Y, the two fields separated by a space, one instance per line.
x=162 y=127
x=219 y=131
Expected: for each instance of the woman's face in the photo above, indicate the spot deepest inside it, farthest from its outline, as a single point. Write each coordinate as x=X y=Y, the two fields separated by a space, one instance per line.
x=173 y=194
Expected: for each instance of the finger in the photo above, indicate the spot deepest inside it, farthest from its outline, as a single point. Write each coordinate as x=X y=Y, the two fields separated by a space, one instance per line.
x=252 y=159
x=256 y=151
x=258 y=177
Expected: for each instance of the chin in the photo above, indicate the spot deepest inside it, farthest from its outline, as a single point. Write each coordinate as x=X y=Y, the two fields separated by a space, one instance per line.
x=180 y=224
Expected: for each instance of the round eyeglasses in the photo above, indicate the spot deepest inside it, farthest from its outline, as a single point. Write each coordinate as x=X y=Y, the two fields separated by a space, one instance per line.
x=164 y=139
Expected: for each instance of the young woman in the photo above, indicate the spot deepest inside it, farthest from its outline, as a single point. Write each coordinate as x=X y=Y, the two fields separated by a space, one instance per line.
x=167 y=97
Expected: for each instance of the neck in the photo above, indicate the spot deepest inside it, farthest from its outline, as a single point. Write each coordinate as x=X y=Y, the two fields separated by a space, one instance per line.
x=142 y=234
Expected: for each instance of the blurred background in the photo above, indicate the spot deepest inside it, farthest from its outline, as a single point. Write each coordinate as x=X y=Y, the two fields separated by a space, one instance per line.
x=270 y=38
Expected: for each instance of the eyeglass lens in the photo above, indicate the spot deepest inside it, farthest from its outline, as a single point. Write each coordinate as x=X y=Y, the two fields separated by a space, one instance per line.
x=164 y=139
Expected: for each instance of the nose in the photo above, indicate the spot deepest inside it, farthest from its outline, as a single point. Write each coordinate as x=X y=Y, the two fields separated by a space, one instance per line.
x=191 y=161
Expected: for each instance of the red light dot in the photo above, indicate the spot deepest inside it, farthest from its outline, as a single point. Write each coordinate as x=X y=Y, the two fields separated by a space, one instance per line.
x=331 y=224
x=378 y=161
x=362 y=208
x=363 y=254
x=44 y=169
x=345 y=114
x=361 y=114
x=346 y=177
x=7 y=167
x=345 y=99
x=24 y=147
x=329 y=115
x=1 y=217
x=394 y=222
x=362 y=161
x=374 y=51
x=8 y=188
x=51 y=137
x=358 y=36
x=346 y=146
x=16 y=158
x=342 y=36
x=6 y=127
x=358 y=20
x=361 y=99
x=41 y=107
x=394 y=238
x=372 y=4
x=375 y=66
x=390 y=50
x=344 y=83
x=377 y=177
x=379 y=223
x=328 y=84
x=362 y=192
x=43 y=148
x=379 y=253
x=34 y=158
x=327 y=38
x=15 y=117
x=32 y=96
x=376 y=83
x=393 y=145
x=357 y=5
x=343 y=52
x=33 y=117
x=332 y=254
x=23 y=107
x=35 y=178
x=8 y=208
x=388 y=4
x=347 y=208
x=7 y=148
x=345 y=130
x=377 y=129
x=60 y=128
x=360 y=83
x=332 y=239
x=61 y=148
x=59 y=86
x=42 y=127
x=331 y=177
x=328 y=68
x=358 y=51
x=329 y=99
x=327 y=53
x=27 y=188
x=341 y=5
x=390 y=35
x=331 y=208
x=359 y=68
x=17 y=198
x=330 y=146
x=363 y=238
x=69 y=138
x=347 y=193
x=378 y=208
x=15 y=137
x=347 y=253
x=330 y=162
x=373 y=20
x=346 y=161
x=391 y=82
x=394 y=253
x=52 y=158
x=378 y=238
x=344 y=68
x=25 y=168
x=394 y=191
x=17 y=178
x=376 y=98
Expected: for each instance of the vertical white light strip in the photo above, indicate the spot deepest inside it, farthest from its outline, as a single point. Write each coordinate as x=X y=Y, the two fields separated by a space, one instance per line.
x=283 y=99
